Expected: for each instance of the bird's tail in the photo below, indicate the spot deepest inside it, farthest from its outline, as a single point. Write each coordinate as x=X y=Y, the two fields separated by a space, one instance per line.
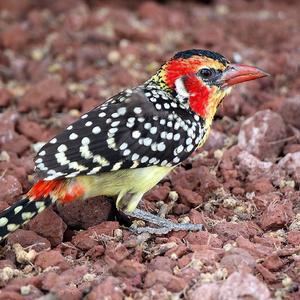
x=39 y=197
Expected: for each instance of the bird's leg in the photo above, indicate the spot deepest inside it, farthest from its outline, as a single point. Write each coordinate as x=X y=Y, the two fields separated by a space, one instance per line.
x=164 y=225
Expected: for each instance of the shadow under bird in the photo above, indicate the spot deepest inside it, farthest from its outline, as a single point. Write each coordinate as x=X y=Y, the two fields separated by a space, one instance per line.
x=125 y=146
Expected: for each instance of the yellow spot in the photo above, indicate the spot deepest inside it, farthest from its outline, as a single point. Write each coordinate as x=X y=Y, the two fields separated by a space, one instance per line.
x=27 y=215
x=117 y=166
x=3 y=221
x=12 y=227
x=17 y=209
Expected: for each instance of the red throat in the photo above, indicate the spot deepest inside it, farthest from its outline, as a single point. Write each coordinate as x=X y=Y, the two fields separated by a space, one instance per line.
x=199 y=93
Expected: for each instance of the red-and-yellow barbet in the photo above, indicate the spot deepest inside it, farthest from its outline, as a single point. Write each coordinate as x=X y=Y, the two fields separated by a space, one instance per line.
x=125 y=146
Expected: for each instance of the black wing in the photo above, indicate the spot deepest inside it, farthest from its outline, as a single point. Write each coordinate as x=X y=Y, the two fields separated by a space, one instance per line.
x=128 y=131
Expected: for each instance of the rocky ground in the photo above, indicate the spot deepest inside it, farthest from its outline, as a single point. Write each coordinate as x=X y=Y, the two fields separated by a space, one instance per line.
x=59 y=59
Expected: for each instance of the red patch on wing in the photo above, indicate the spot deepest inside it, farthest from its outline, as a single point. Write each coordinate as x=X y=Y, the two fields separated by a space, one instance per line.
x=43 y=188
x=199 y=94
x=179 y=67
x=59 y=188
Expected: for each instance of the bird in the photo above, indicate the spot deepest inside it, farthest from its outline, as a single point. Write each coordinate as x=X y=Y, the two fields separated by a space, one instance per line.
x=125 y=146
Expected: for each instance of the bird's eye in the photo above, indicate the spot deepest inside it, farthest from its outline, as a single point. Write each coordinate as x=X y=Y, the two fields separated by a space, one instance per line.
x=206 y=73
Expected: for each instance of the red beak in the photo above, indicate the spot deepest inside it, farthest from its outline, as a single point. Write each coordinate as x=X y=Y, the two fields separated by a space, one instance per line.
x=236 y=73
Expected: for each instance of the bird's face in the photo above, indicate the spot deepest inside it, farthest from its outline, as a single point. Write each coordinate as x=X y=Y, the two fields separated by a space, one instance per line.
x=203 y=78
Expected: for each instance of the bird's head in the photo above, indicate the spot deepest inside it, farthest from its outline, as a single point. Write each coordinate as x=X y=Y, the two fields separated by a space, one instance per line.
x=202 y=79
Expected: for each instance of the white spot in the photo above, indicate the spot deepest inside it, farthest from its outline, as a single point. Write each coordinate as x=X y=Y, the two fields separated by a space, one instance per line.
x=136 y=134
x=158 y=106
x=27 y=215
x=113 y=130
x=115 y=115
x=153 y=130
x=164 y=162
x=163 y=134
x=178 y=150
x=144 y=159
x=84 y=116
x=161 y=147
x=102 y=114
x=85 y=141
x=170 y=124
x=94 y=171
x=42 y=153
x=169 y=135
x=135 y=156
x=137 y=110
x=189 y=148
x=42 y=167
x=61 y=158
x=173 y=104
x=53 y=141
x=39 y=160
x=126 y=152
x=180 y=88
x=176 y=137
x=62 y=148
x=166 y=105
x=189 y=141
x=73 y=136
x=147 y=141
x=176 y=160
x=96 y=130
x=148 y=94
x=70 y=127
x=123 y=146
x=108 y=120
x=3 y=221
x=88 y=123
x=39 y=204
x=115 y=123
x=147 y=125
x=162 y=122
x=121 y=111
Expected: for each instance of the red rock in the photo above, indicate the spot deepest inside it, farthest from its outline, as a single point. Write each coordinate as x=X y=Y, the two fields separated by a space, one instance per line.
x=32 y=130
x=204 y=238
x=169 y=281
x=207 y=255
x=294 y=237
x=117 y=253
x=241 y=285
x=273 y=262
x=5 y=97
x=289 y=110
x=231 y=231
x=264 y=200
x=95 y=252
x=207 y=291
x=10 y=296
x=109 y=288
x=28 y=238
x=85 y=240
x=51 y=258
x=87 y=213
x=6 y=263
x=49 y=225
x=162 y=263
x=290 y=162
x=238 y=259
x=260 y=185
x=189 y=197
x=256 y=250
x=15 y=37
x=64 y=285
x=216 y=140
x=47 y=93
x=158 y=193
x=268 y=276
x=277 y=215
x=291 y=148
x=129 y=268
x=262 y=133
x=11 y=188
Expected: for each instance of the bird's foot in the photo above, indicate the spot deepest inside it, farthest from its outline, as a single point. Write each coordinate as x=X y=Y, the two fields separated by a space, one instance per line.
x=164 y=225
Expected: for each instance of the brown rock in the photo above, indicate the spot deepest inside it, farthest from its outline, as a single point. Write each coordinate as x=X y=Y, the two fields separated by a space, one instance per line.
x=5 y=97
x=241 y=285
x=239 y=260
x=289 y=110
x=85 y=240
x=87 y=213
x=32 y=130
x=169 y=281
x=268 y=276
x=95 y=252
x=14 y=37
x=51 y=258
x=28 y=238
x=158 y=193
x=109 y=288
x=260 y=186
x=11 y=188
x=277 y=215
x=294 y=237
x=129 y=268
x=49 y=225
x=189 y=197
x=273 y=262
x=262 y=133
